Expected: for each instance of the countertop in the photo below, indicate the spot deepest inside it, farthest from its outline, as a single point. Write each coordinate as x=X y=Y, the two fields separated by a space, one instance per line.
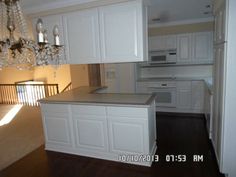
x=207 y=80
x=90 y=95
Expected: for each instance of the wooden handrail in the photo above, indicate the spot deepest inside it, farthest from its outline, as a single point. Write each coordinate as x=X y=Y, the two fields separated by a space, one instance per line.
x=26 y=94
x=67 y=88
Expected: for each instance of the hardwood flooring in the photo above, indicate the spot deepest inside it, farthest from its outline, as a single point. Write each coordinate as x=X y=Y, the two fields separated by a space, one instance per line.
x=177 y=135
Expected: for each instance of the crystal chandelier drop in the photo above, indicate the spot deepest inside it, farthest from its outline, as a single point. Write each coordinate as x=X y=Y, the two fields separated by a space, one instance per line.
x=16 y=46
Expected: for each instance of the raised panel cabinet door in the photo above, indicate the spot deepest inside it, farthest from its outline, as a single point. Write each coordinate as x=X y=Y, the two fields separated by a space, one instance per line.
x=57 y=124
x=202 y=47
x=127 y=135
x=184 y=48
x=184 y=95
x=171 y=42
x=82 y=36
x=91 y=132
x=121 y=27
x=156 y=43
x=197 y=95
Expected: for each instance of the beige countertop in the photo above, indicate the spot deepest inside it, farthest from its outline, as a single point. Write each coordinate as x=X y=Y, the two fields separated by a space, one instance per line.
x=207 y=80
x=90 y=95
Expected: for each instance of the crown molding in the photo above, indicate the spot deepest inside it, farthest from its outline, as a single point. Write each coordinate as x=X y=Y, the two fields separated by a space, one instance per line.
x=182 y=22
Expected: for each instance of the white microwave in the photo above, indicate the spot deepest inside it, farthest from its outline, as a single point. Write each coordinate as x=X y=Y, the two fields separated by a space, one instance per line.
x=163 y=56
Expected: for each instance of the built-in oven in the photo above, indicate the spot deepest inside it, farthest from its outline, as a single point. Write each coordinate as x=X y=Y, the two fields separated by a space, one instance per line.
x=165 y=93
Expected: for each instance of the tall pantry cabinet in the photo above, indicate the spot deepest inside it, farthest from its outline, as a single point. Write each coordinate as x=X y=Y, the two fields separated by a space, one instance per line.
x=223 y=125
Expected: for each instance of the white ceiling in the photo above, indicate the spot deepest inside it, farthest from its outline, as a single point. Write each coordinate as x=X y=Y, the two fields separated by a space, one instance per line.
x=167 y=10
x=178 y=10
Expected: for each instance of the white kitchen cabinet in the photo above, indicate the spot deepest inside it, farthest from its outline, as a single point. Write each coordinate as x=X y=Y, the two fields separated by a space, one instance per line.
x=82 y=36
x=100 y=131
x=202 y=47
x=171 y=42
x=57 y=125
x=114 y=33
x=90 y=126
x=162 y=42
x=184 y=95
x=184 y=46
x=192 y=48
x=129 y=130
x=127 y=135
x=156 y=43
x=122 y=32
x=198 y=90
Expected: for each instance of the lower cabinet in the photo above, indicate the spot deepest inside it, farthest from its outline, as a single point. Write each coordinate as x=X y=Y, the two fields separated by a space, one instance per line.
x=90 y=128
x=57 y=125
x=189 y=96
x=100 y=131
x=184 y=95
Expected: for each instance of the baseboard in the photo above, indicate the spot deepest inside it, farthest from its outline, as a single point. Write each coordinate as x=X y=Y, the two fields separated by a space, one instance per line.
x=183 y=115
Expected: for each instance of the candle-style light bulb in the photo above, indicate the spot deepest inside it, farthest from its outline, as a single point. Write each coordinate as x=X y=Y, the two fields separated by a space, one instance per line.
x=39 y=29
x=56 y=35
x=45 y=36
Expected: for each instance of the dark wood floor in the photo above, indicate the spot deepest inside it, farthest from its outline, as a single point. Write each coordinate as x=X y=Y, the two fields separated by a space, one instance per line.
x=176 y=135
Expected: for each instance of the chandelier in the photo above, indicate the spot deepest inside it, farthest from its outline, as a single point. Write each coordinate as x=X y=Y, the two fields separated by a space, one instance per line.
x=16 y=46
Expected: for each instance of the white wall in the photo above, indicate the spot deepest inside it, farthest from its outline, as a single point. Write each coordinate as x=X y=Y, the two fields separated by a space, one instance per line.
x=229 y=128
x=177 y=71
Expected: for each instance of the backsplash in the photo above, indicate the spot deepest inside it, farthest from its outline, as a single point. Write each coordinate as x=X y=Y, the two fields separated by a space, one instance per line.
x=202 y=71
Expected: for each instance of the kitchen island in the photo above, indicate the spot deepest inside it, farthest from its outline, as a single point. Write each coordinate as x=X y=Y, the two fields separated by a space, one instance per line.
x=111 y=126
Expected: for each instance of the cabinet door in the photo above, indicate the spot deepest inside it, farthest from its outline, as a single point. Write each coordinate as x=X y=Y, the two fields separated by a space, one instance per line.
x=202 y=47
x=171 y=42
x=198 y=95
x=184 y=94
x=128 y=130
x=184 y=48
x=121 y=30
x=126 y=135
x=57 y=124
x=90 y=127
x=156 y=43
x=82 y=36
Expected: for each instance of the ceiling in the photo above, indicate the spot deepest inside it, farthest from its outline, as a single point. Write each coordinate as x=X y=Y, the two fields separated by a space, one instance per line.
x=164 y=11
x=178 y=10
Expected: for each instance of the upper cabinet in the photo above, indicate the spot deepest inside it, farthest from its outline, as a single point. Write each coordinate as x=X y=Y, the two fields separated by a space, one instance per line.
x=192 y=48
x=184 y=48
x=113 y=33
x=162 y=42
x=121 y=30
x=202 y=48
x=108 y=34
x=82 y=36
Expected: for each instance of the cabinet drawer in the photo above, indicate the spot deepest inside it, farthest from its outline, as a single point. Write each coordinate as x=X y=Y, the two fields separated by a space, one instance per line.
x=127 y=112
x=55 y=109
x=88 y=110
